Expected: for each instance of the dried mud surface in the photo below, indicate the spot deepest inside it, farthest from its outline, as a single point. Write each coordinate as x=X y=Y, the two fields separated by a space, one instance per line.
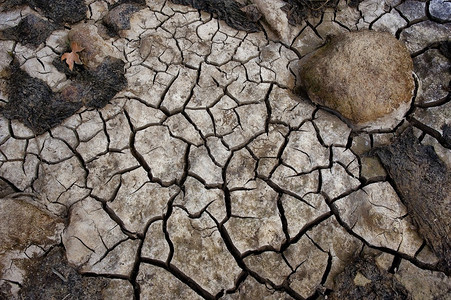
x=180 y=160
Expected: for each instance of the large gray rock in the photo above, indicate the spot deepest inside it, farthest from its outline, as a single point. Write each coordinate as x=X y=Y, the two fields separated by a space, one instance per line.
x=366 y=76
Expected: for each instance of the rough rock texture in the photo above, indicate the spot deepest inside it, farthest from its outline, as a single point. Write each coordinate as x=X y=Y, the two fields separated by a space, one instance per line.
x=424 y=182
x=366 y=76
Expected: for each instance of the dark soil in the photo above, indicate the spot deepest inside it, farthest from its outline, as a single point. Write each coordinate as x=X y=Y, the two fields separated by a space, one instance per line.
x=299 y=10
x=33 y=103
x=60 y=11
x=229 y=11
x=380 y=284
x=424 y=184
x=31 y=30
x=118 y=17
x=52 y=278
x=94 y=88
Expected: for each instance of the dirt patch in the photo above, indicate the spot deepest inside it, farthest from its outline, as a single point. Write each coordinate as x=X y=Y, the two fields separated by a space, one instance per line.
x=230 y=11
x=94 y=88
x=31 y=30
x=118 y=17
x=52 y=278
x=299 y=10
x=363 y=279
x=32 y=102
x=60 y=11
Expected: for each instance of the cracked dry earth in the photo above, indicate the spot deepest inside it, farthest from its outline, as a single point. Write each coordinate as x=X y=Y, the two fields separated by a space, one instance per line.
x=207 y=175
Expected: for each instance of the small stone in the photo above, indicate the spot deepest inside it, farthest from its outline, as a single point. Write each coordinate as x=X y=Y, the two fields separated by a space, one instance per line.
x=95 y=48
x=353 y=74
x=361 y=280
x=372 y=169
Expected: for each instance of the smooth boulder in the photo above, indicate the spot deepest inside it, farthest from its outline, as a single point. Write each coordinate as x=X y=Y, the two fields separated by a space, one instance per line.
x=365 y=76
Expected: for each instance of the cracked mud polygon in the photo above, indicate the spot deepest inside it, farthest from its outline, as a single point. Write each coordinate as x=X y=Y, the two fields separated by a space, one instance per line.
x=180 y=160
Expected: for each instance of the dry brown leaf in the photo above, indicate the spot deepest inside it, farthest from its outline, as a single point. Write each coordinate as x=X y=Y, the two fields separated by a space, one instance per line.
x=72 y=57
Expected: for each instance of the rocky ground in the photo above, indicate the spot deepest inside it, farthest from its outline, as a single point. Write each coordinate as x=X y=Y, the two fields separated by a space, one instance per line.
x=179 y=159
